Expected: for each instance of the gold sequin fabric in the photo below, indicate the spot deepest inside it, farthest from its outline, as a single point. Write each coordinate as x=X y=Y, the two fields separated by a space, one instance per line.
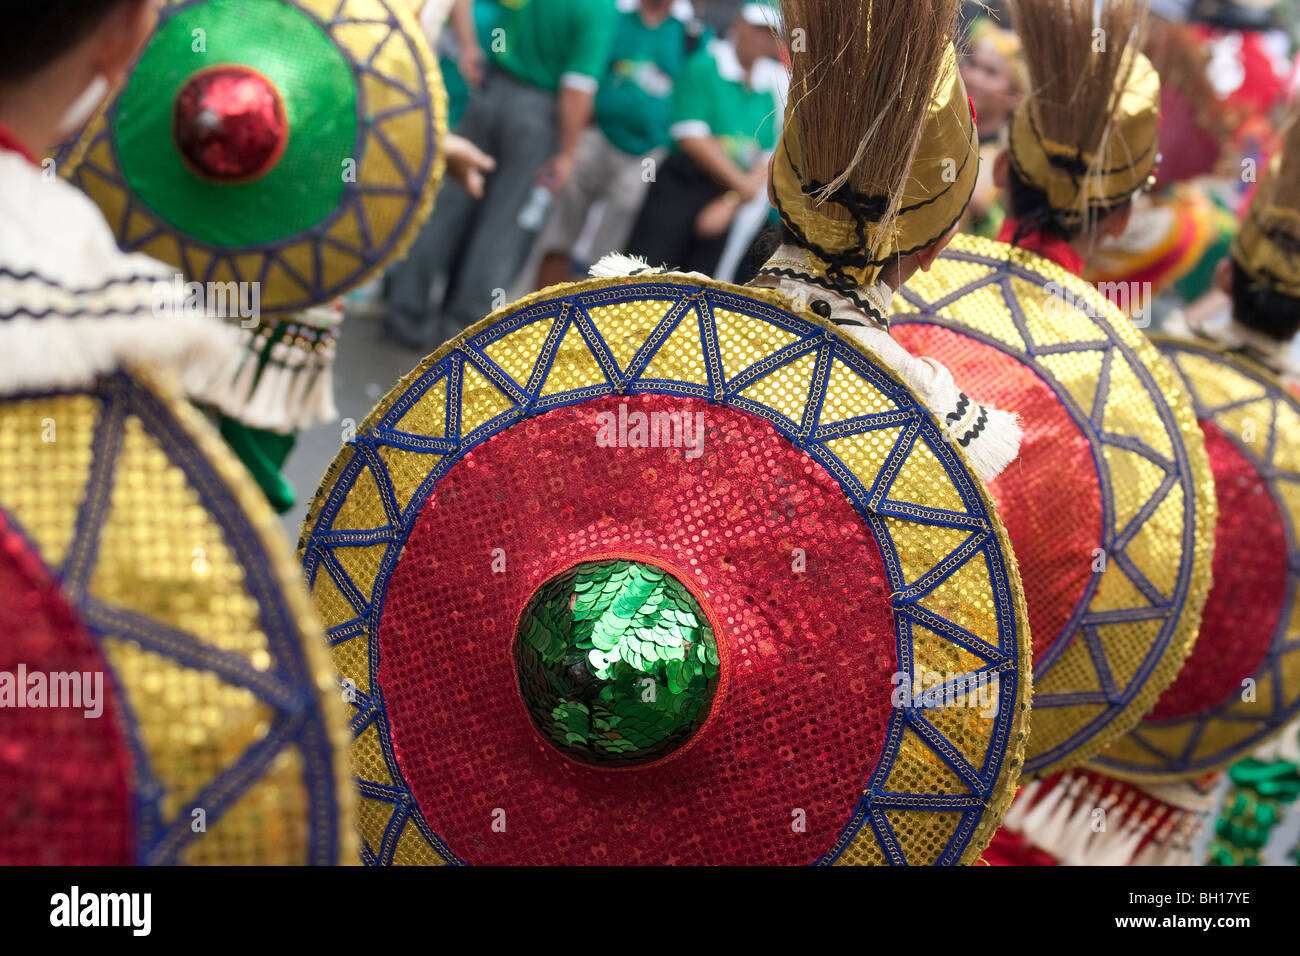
x=171 y=558
x=952 y=591
x=1241 y=686
x=1110 y=506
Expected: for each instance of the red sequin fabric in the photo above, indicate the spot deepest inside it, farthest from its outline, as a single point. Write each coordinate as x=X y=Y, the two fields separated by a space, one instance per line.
x=807 y=652
x=1010 y=848
x=1249 y=592
x=64 y=796
x=1055 y=525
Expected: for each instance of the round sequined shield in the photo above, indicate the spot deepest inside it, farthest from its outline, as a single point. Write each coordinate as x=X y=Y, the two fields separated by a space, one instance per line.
x=1241 y=685
x=662 y=572
x=1110 y=505
x=290 y=144
x=189 y=713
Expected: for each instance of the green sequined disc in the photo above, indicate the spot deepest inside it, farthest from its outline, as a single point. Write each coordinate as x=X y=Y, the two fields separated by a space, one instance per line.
x=319 y=90
x=617 y=663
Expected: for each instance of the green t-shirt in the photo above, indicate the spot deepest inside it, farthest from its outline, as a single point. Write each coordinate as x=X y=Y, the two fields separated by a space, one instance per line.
x=712 y=93
x=634 y=107
x=487 y=17
x=540 y=41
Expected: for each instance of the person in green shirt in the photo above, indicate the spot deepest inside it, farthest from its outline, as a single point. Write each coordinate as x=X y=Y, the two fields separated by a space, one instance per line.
x=618 y=154
x=461 y=48
x=727 y=115
x=546 y=59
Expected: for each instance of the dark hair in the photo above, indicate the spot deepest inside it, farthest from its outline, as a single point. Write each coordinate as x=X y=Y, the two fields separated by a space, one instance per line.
x=1033 y=209
x=38 y=32
x=1259 y=306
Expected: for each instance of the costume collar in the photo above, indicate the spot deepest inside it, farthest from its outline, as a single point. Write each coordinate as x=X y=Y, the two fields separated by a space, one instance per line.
x=791 y=272
x=73 y=306
x=1052 y=249
x=10 y=142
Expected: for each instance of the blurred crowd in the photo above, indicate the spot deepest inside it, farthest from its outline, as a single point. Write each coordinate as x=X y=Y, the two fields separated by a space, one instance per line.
x=1228 y=70
x=645 y=127
x=600 y=126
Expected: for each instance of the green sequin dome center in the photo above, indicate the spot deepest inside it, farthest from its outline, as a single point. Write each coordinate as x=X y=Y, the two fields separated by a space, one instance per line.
x=617 y=663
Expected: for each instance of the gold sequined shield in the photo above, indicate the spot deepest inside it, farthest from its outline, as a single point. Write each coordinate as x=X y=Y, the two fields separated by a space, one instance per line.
x=486 y=470
x=1110 y=506
x=353 y=146
x=172 y=561
x=1241 y=687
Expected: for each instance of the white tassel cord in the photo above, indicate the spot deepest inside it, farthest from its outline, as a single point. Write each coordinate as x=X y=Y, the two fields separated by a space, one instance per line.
x=990 y=447
x=293 y=388
x=201 y=381
x=1045 y=807
x=232 y=396
x=1025 y=798
x=997 y=446
x=304 y=397
x=278 y=417
x=617 y=265
x=1083 y=851
x=306 y=372
x=1182 y=851
x=1079 y=829
x=1159 y=847
x=1119 y=851
x=1062 y=822
x=265 y=405
x=319 y=406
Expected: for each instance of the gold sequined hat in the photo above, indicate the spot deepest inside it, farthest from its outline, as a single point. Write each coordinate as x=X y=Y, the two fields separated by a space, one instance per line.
x=291 y=146
x=1087 y=134
x=1268 y=246
x=880 y=152
x=610 y=549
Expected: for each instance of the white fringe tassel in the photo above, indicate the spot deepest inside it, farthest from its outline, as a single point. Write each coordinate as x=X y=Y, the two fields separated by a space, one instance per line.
x=617 y=265
x=1064 y=822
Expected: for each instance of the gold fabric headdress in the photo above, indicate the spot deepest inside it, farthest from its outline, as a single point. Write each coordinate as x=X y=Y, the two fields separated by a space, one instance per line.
x=880 y=153
x=1268 y=246
x=1087 y=135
